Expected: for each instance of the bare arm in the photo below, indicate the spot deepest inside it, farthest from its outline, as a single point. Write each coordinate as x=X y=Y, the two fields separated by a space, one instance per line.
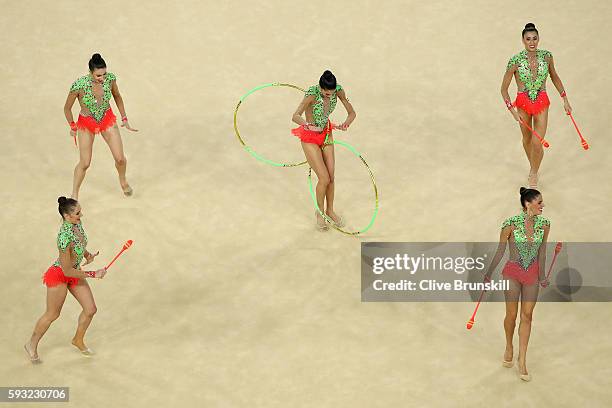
x=118 y=99
x=297 y=115
x=66 y=263
x=68 y=106
x=349 y=109
x=506 y=80
x=504 y=91
x=542 y=255
x=556 y=80
x=501 y=249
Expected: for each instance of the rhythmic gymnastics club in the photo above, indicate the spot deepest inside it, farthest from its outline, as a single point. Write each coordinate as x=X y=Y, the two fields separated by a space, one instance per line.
x=471 y=322
x=585 y=145
x=125 y=246
x=543 y=141
x=557 y=250
x=74 y=138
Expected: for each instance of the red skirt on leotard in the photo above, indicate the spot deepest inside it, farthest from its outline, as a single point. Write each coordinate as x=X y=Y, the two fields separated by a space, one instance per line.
x=532 y=107
x=89 y=123
x=514 y=270
x=310 y=136
x=55 y=276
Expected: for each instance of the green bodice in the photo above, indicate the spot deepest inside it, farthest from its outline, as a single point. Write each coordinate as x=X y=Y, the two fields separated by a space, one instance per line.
x=84 y=87
x=525 y=74
x=318 y=111
x=75 y=234
x=527 y=250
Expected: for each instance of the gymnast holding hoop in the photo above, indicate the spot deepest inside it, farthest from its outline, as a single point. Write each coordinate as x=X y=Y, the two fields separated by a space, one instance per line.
x=315 y=133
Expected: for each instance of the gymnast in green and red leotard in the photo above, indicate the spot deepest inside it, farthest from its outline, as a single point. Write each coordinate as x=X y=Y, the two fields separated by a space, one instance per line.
x=93 y=92
x=530 y=68
x=526 y=234
x=66 y=275
x=315 y=133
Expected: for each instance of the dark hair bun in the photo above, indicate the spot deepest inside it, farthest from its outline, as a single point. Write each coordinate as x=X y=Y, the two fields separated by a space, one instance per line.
x=529 y=25
x=327 y=80
x=522 y=190
x=66 y=205
x=96 y=62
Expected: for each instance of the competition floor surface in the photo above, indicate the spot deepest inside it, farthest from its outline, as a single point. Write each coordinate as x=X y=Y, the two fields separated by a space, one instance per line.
x=229 y=296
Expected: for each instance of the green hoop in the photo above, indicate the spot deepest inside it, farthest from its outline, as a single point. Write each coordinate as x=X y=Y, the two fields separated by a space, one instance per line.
x=314 y=198
x=247 y=147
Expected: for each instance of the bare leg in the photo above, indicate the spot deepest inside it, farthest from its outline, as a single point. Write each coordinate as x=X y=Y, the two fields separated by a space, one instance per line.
x=512 y=297
x=330 y=163
x=314 y=156
x=529 y=295
x=55 y=300
x=82 y=293
x=113 y=140
x=527 y=136
x=85 y=147
x=540 y=124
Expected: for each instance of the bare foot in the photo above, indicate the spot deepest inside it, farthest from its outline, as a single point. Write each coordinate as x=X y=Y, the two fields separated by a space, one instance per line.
x=33 y=354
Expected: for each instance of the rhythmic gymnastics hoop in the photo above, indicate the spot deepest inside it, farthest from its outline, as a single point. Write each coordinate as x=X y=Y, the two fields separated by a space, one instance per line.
x=278 y=164
x=248 y=148
x=325 y=216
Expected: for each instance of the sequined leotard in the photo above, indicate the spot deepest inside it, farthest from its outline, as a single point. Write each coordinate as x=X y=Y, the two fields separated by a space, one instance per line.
x=72 y=233
x=318 y=110
x=96 y=115
x=531 y=95
x=90 y=106
x=320 y=117
x=68 y=234
x=523 y=261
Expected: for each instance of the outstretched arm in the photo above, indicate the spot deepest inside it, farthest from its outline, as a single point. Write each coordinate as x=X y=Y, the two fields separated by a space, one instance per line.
x=556 y=80
x=349 y=109
x=501 y=249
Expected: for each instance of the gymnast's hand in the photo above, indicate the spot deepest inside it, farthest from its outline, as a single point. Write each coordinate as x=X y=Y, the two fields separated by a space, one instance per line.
x=73 y=133
x=100 y=273
x=544 y=282
x=313 y=128
x=515 y=114
x=343 y=127
x=89 y=257
x=126 y=125
x=567 y=107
